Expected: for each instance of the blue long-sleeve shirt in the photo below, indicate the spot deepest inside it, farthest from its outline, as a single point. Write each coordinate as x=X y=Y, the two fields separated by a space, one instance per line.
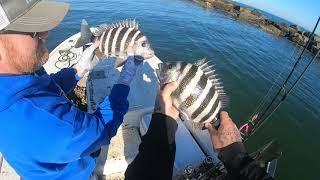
x=43 y=136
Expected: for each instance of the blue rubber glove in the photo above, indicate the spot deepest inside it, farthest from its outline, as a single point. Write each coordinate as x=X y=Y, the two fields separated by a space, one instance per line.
x=130 y=67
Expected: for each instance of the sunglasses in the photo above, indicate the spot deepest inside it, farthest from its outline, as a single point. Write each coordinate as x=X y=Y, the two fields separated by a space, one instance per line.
x=31 y=34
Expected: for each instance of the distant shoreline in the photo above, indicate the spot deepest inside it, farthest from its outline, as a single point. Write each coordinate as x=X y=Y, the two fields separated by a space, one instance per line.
x=291 y=32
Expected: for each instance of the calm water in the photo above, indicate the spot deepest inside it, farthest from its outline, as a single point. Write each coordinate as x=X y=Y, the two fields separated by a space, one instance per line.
x=248 y=60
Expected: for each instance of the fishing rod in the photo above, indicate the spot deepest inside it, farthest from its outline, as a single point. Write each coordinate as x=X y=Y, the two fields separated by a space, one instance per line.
x=251 y=126
x=293 y=86
x=284 y=97
x=276 y=82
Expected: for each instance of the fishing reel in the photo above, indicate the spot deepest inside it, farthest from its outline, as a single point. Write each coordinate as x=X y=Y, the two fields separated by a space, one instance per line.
x=266 y=157
x=207 y=170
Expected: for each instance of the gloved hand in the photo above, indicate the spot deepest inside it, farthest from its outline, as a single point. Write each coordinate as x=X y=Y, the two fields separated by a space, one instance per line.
x=88 y=60
x=130 y=67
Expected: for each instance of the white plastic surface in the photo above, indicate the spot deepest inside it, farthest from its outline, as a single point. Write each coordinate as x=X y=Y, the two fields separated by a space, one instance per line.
x=6 y=171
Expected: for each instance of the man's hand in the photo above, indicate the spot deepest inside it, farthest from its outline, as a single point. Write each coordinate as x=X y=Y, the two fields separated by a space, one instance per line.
x=88 y=60
x=226 y=134
x=130 y=67
x=135 y=51
x=130 y=51
x=163 y=103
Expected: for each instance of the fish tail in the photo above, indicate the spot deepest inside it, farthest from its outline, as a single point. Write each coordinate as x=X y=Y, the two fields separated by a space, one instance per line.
x=86 y=35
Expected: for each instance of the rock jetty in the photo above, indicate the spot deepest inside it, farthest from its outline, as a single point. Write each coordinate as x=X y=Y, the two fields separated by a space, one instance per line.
x=252 y=16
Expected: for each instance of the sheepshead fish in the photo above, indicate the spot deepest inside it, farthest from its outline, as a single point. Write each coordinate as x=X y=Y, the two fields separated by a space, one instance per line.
x=114 y=40
x=199 y=96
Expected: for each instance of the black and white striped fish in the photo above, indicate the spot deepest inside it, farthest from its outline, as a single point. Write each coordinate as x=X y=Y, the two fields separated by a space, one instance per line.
x=199 y=96
x=114 y=40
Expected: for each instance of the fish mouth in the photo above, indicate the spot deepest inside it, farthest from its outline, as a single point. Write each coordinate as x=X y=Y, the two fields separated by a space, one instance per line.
x=152 y=51
x=150 y=55
x=158 y=72
x=163 y=77
x=160 y=66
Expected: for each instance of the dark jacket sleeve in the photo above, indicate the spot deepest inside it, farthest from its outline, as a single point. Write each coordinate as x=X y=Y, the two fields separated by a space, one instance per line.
x=156 y=151
x=66 y=78
x=240 y=165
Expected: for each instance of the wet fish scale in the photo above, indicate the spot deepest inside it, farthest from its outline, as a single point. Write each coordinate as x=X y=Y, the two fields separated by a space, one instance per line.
x=193 y=97
x=114 y=40
x=204 y=104
x=199 y=94
x=120 y=38
x=213 y=109
x=186 y=80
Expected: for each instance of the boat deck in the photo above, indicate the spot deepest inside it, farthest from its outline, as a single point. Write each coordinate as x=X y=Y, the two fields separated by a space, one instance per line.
x=192 y=145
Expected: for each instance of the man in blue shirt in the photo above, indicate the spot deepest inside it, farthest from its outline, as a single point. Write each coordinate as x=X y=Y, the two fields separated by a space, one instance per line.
x=42 y=134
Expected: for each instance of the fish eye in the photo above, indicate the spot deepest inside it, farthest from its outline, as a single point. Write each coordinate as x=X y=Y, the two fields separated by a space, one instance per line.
x=170 y=66
x=144 y=44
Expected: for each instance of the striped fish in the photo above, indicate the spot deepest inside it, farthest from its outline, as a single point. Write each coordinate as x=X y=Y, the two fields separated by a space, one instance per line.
x=114 y=40
x=199 y=96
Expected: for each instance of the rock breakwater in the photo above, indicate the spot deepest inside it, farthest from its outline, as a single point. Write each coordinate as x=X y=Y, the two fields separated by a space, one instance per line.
x=291 y=32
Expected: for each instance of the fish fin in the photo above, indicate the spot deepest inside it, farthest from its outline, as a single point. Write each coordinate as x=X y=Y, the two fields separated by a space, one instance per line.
x=207 y=69
x=98 y=30
x=222 y=96
x=224 y=99
x=119 y=62
x=211 y=74
x=86 y=35
x=129 y=23
x=201 y=62
x=184 y=116
x=197 y=125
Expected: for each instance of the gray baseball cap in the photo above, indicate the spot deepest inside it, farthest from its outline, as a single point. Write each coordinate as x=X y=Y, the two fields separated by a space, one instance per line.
x=31 y=15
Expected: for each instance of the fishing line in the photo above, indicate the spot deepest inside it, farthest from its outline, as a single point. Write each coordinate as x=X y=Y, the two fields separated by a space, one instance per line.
x=292 y=70
x=293 y=86
x=284 y=97
x=264 y=99
x=282 y=88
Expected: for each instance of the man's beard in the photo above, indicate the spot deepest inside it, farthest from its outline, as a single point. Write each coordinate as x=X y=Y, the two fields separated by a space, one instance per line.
x=42 y=54
x=31 y=62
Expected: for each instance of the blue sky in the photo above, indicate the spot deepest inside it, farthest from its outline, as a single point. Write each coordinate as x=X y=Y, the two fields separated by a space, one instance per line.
x=302 y=12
